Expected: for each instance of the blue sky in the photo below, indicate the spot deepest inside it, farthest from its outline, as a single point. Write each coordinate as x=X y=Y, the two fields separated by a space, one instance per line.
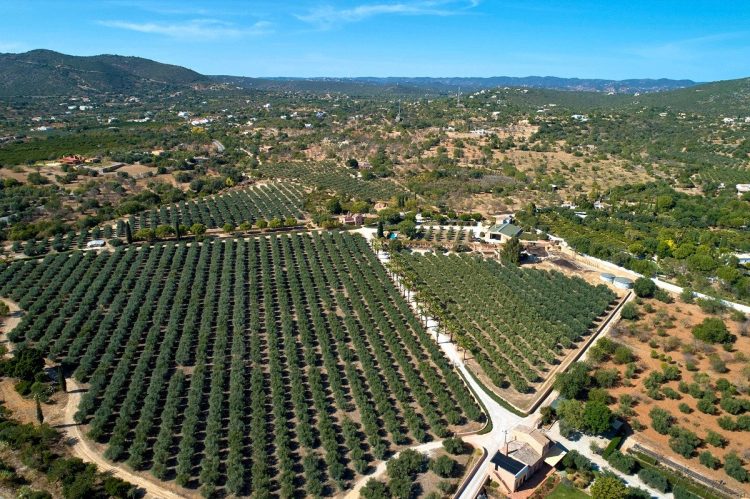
x=700 y=40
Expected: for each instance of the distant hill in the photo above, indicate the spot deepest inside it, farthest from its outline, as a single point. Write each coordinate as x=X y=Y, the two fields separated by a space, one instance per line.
x=452 y=85
x=729 y=97
x=44 y=72
x=48 y=73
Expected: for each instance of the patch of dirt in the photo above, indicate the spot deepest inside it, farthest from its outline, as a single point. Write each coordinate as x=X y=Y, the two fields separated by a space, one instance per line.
x=667 y=331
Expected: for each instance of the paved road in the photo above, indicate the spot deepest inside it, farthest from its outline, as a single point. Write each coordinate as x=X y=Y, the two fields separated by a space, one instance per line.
x=502 y=419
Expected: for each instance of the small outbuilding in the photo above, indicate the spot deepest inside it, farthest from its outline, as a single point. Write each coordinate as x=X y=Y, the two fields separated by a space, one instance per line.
x=503 y=232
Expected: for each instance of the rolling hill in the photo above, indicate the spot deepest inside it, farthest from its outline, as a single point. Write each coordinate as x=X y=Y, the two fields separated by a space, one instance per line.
x=44 y=72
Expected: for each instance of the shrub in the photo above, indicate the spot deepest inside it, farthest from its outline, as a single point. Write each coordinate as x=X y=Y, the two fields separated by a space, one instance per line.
x=622 y=463
x=706 y=406
x=709 y=460
x=574 y=460
x=715 y=439
x=661 y=420
x=712 y=330
x=732 y=405
x=629 y=312
x=733 y=467
x=663 y=296
x=644 y=288
x=444 y=466
x=608 y=486
x=727 y=423
x=607 y=378
x=687 y=295
x=684 y=408
x=653 y=478
x=374 y=490
x=682 y=441
x=454 y=446
x=623 y=355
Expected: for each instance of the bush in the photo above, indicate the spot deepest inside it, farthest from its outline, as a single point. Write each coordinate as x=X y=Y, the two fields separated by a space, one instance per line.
x=374 y=490
x=644 y=288
x=623 y=355
x=706 y=406
x=611 y=446
x=733 y=467
x=709 y=460
x=663 y=296
x=716 y=439
x=684 y=442
x=622 y=463
x=712 y=330
x=653 y=478
x=444 y=467
x=629 y=312
x=454 y=446
x=661 y=420
x=574 y=460
x=727 y=423
x=608 y=486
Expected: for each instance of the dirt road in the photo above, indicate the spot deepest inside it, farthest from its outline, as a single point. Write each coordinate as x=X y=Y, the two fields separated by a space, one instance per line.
x=83 y=450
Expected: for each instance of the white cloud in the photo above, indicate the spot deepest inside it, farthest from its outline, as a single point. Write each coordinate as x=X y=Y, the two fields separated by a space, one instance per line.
x=326 y=16
x=195 y=28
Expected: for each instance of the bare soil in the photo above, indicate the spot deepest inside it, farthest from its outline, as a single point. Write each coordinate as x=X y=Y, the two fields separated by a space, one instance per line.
x=667 y=331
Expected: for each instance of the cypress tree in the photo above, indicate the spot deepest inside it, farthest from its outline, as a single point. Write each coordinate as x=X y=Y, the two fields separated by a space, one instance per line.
x=177 y=231
x=128 y=233
x=61 y=383
x=39 y=413
x=381 y=233
x=511 y=252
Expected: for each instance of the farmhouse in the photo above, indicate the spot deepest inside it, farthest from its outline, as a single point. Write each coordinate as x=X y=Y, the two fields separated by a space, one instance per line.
x=503 y=232
x=72 y=160
x=527 y=451
x=742 y=188
x=349 y=219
